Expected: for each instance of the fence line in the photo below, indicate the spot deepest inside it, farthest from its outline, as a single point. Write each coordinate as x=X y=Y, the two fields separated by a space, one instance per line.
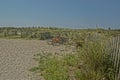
x=115 y=55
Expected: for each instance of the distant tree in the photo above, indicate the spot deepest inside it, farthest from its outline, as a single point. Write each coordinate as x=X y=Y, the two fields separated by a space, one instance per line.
x=109 y=28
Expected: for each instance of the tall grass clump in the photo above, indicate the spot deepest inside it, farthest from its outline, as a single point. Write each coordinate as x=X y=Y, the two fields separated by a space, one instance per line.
x=96 y=61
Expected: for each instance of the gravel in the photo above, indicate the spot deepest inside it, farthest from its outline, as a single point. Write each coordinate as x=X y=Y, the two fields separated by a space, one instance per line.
x=16 y=57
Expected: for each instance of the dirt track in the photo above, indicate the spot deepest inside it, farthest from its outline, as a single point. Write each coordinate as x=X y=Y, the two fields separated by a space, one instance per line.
x=16 y=58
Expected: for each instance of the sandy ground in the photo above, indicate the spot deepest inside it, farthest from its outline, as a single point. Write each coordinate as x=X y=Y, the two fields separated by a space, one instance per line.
x=16 y=57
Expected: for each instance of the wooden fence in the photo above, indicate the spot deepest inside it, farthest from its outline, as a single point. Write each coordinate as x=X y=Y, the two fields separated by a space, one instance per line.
x=115 y=55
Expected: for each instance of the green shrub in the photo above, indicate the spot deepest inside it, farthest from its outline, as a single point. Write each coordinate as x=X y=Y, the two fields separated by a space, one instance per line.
x=96 y=61
x=55 y=69
x=52 y=68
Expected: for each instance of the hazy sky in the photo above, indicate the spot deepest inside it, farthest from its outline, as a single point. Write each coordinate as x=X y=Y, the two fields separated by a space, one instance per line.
x=60 y=13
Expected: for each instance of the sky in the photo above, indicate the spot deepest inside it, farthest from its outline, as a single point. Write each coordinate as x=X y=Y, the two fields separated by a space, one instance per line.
x=60 y=13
